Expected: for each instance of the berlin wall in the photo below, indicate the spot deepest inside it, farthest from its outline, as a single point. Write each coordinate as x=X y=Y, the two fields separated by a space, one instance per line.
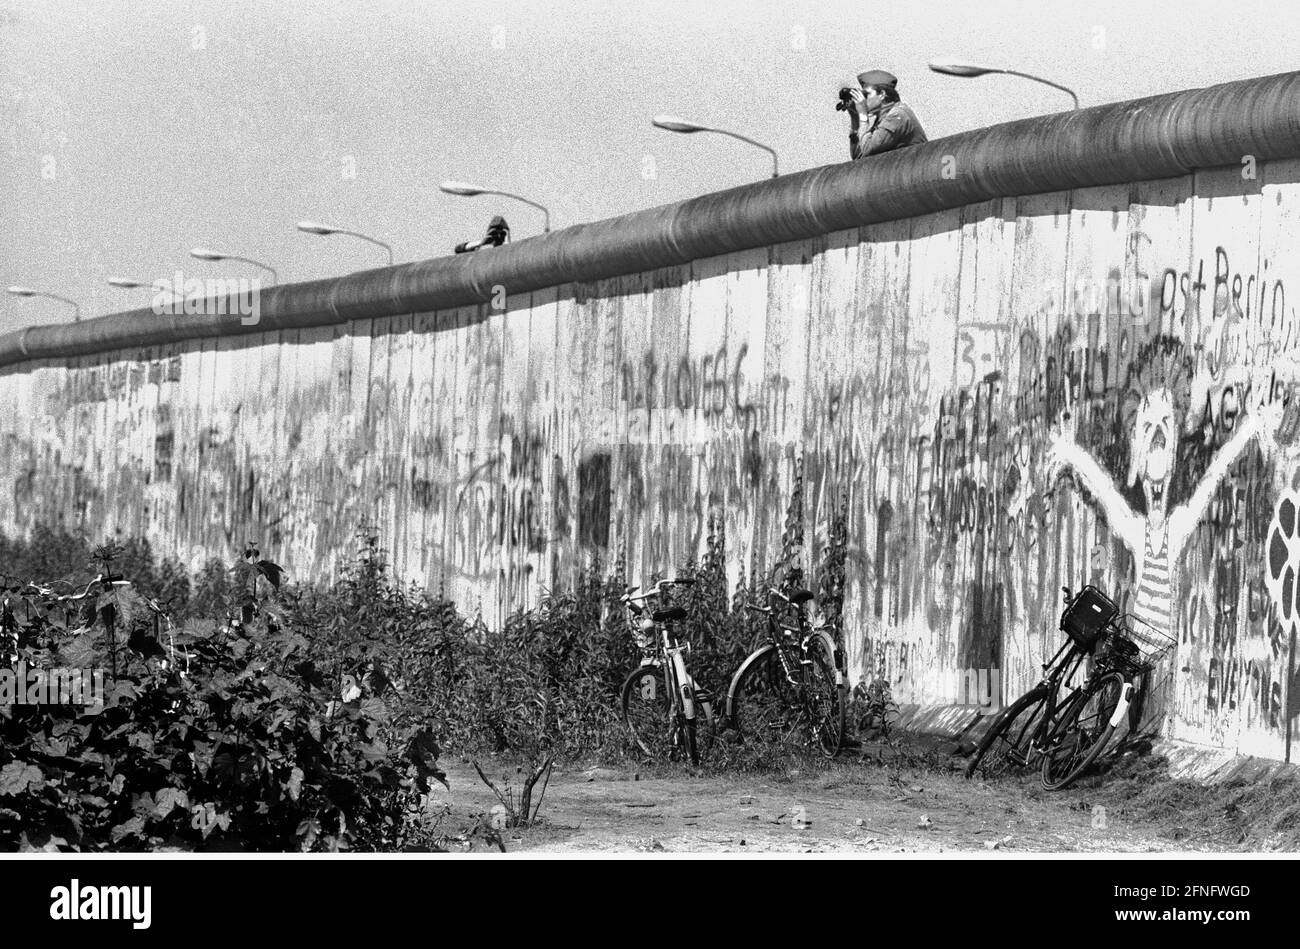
x=1057 y=352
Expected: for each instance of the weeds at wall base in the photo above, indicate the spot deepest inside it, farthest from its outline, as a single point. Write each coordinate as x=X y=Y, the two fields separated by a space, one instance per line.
x=1248 y=816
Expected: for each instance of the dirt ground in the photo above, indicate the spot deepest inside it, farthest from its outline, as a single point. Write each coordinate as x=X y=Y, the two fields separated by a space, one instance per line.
x=856 y=804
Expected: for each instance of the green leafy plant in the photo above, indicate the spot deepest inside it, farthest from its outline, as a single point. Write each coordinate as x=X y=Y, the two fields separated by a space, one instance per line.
x=249 y=750
x=831 y=585
x=244 y=745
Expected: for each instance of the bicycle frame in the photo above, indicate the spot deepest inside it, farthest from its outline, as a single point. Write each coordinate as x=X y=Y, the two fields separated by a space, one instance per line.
x=679 y=678
x=1069 y=732
x=1059 y=670
x=672 y=658
x=792 y=656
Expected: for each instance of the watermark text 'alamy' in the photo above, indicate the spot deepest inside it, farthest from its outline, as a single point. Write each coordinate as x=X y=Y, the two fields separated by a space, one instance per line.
x=213 y=296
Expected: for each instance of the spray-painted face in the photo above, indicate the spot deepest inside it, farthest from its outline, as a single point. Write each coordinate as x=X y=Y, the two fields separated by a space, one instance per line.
x=1154 y=439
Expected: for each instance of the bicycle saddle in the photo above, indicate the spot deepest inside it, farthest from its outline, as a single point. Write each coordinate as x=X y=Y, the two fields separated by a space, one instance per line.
x=801 y=596
x=670 y=615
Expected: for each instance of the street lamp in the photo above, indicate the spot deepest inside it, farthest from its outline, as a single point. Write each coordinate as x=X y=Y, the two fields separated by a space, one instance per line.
x=29 y=292
x=126 y=283
x=469 y=191
x=311 y=227
x=203 y=253
x=969 y=70
x=671 y=123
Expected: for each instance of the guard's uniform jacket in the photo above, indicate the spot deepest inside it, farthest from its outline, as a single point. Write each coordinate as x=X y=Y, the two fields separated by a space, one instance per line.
x=895 y=125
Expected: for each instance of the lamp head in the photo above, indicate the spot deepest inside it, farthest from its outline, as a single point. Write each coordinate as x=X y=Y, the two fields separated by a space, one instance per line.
x=953 y=67
x=461 y=188
x=203 y=253
x=22 y=291
x=671 y=123
x=311 y=227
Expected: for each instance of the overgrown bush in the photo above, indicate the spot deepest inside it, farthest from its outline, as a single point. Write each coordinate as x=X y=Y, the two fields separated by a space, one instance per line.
x=547 y=681
x=225 y=736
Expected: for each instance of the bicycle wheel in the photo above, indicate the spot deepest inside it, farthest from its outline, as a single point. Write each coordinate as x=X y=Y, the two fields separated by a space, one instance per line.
x=1005 y=746
x=825 y=702
x=1079 y=735
x=766 y=709
x=656 y=728
x=648 y=711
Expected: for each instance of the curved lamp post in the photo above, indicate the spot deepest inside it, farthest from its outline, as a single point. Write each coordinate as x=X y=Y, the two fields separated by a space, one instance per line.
x=671 y=123
x=468 y=191
x=203 y=253
x=311 y=227
x=970 y=70
x=29 y=292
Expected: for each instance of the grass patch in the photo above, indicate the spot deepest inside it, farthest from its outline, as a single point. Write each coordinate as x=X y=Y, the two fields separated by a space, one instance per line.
x=1247 y=816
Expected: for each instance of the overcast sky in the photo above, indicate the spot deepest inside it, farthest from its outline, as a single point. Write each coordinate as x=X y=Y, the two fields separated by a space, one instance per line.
x=133 y=131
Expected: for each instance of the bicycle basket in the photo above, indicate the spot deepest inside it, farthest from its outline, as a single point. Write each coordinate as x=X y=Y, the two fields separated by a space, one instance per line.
x=1134 y=646
x=643 y=632
x=1087 y=617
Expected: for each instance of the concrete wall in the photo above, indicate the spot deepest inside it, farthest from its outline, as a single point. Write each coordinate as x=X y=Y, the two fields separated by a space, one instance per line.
x=927 y=376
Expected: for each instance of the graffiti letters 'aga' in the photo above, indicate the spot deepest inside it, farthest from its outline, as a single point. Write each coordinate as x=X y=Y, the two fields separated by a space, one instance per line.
x=1157 y=539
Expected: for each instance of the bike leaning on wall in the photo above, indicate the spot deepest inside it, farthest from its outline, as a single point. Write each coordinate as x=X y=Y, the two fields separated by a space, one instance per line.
x=1069 y=735
x=792 y=685
x=668 y=714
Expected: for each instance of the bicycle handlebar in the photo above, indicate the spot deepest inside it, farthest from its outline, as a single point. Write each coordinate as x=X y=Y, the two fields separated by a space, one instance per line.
x=37 y=590
x=627 y=597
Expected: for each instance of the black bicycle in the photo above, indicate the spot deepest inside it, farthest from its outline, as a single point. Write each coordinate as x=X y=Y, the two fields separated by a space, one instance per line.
x=793 y=682
x=1068 y=735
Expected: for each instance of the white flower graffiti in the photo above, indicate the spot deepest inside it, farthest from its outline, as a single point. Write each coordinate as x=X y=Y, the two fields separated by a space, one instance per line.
x=1283 y=575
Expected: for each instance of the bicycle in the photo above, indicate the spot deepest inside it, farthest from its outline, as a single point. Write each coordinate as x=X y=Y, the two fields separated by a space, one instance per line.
x=661 y=703
x=1070 y=735
x=41 y=599
x=84 y=608
x=793 y=681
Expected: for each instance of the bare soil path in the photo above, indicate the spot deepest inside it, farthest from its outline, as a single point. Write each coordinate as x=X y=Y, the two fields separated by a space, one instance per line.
x=856 y=805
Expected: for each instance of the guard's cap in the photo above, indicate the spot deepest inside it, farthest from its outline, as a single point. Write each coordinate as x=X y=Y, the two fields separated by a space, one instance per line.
x=877 y=77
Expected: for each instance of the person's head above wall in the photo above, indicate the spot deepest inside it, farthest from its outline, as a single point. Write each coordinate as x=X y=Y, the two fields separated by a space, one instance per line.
x=878 y=83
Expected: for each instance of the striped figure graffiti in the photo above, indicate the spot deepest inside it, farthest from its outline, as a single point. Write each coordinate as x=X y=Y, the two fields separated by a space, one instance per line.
x=1156 y=538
